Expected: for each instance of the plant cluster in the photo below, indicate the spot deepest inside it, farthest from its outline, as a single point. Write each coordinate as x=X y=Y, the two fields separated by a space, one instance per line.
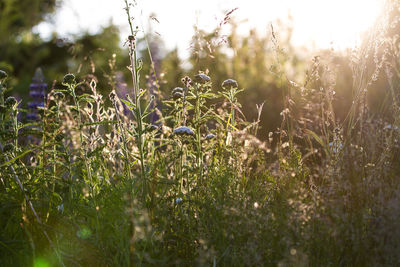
x=122 y=181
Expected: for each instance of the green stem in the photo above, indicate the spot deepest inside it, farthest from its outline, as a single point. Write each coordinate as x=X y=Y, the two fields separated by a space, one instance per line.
x=198 y=133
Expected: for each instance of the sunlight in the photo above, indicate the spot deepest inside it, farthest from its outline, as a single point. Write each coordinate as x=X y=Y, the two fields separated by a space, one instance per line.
x=338 y=23
x=318 y=23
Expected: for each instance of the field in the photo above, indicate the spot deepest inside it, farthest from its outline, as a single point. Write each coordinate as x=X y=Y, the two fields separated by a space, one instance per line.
x=233 y=163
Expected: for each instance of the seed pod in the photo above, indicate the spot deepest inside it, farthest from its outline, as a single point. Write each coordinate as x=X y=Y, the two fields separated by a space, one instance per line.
x=183 y=130
x=201 y=78
x=69 y=79
x=227 y=84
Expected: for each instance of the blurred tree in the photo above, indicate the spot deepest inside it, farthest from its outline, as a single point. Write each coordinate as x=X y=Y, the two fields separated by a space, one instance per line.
x=22 y=15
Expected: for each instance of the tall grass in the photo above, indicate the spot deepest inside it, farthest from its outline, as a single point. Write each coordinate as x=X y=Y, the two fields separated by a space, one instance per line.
x=100 y=186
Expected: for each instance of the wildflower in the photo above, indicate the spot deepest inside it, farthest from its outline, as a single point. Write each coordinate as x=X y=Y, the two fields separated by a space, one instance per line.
x=3 y=75
x=256 y=205
x=201 y=78
x=178 y=200
x=69 y=79
x=227 y=84
x=210 y=136
x=183 y=130
x=37 y=92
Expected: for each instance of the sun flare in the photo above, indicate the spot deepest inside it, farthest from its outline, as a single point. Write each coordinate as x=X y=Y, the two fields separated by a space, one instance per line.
x=338 y=23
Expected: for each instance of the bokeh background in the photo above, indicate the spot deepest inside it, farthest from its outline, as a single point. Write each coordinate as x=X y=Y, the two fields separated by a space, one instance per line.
x=250 y=42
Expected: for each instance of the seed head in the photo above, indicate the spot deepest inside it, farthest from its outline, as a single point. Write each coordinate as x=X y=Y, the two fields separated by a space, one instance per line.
x=228 y=84
x=69 y=79
x=201 y=78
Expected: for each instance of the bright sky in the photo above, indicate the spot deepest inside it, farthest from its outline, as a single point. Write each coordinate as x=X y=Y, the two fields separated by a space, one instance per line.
x=323 y=23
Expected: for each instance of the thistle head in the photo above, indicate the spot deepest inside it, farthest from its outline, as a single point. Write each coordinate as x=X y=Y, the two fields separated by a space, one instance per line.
x=201 y=78
x=69 y=79
x=229 y=83
x=10 y=101
x=177 y=93
x=183 y=130
x=177 y=90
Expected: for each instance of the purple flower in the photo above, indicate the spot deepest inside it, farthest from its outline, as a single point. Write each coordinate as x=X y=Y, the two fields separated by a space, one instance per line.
x=38 y=93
